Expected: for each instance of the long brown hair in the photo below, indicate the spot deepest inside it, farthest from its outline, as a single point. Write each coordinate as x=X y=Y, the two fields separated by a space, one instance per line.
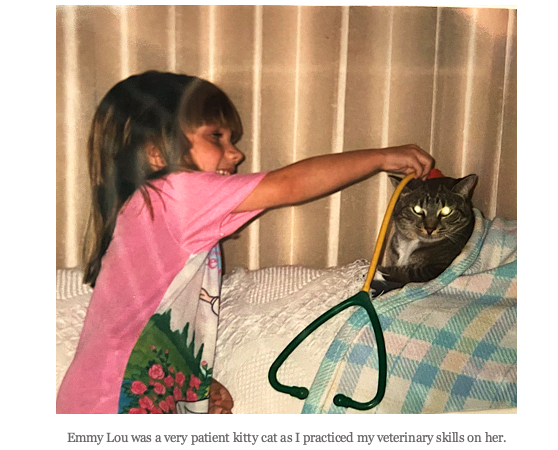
x=152 y=107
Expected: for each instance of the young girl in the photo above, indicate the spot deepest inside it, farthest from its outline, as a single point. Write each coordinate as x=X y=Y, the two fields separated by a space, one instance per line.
x=162 y=161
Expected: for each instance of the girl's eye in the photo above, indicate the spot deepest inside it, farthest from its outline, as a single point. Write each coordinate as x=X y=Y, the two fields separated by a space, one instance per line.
x=445 y=211
x=417 y=209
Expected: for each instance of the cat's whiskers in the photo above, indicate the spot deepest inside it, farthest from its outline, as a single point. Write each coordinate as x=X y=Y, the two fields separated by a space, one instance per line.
x=425 y=241
x=454 y=238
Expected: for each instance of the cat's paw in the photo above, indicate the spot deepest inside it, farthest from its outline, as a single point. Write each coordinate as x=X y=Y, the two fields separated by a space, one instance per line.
x=382 y=283
x=379 y=274
x=391 y=274
x=382 y=273
x=378 y=287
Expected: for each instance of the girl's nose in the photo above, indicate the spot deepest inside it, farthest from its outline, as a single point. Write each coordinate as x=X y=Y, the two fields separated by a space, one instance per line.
x=235 y=154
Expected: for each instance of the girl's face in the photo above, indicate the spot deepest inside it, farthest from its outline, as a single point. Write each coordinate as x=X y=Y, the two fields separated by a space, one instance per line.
x=213 y=151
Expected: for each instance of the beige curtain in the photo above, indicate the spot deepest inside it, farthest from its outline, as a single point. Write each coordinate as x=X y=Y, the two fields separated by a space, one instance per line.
x=307 y=80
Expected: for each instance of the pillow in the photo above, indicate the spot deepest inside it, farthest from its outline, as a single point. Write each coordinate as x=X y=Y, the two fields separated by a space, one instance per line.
x=261 y=312
x=72 y=299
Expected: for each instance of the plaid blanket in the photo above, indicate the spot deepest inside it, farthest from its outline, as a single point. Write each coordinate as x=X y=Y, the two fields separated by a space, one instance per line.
x=451 y=343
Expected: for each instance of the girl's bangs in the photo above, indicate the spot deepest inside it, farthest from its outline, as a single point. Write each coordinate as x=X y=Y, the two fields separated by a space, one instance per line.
x=208 y=105
x=219 y=110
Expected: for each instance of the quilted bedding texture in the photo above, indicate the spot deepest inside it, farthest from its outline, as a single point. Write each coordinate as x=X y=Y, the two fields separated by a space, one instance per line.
x=451 y=343
x=263 y=310
x=72 y=299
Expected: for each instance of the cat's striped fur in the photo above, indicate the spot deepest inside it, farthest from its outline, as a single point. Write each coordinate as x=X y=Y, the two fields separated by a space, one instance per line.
x=431 y=223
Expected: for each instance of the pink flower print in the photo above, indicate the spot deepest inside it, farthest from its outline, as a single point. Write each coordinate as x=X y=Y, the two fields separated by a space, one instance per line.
x=171 y=369
x=170 y=401
x=177 y=393
x=167 y=351
x=164 y=406
x=195 y=382
x=146 y=403
x=152 y=348
x=204 y=363
x=169 y=381
x=156 y=372
x=137 y=411
x=191 y=396
x=159 y=388
x=138 y=387
x=180 y=378
x=156 y=410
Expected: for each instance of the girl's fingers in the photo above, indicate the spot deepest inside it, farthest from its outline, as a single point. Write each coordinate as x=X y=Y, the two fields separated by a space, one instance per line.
x=220 y=399
x=413 y=159
x=217 y=408
x=423 y=163
x=415 y=166
x=226 y=403
x=220 y=407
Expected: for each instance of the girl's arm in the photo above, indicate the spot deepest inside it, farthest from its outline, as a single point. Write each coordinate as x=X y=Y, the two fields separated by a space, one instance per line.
x=321 y=175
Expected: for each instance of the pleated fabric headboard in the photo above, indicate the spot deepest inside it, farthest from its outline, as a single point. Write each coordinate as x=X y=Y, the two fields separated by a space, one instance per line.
x=307 y=80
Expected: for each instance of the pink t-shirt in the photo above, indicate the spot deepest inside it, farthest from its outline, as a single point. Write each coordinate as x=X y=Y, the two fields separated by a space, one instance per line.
x=148 y=339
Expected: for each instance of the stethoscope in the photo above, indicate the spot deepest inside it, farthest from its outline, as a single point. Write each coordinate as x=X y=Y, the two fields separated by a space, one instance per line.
x=362 y=299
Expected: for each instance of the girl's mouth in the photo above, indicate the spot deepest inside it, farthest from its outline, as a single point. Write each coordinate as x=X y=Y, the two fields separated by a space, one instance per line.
x=223 y=172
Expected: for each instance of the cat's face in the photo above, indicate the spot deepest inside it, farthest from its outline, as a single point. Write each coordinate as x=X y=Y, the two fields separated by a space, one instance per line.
x=434 y=209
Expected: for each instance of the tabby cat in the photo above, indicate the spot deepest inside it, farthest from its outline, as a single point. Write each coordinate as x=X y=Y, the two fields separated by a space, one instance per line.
x=431 y=223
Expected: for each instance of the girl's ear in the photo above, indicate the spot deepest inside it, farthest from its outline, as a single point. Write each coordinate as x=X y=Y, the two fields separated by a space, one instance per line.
x=154 y=157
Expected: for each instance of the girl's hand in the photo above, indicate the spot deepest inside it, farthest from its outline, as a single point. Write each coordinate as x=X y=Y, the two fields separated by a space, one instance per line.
x=407 y=159
x=220 y=399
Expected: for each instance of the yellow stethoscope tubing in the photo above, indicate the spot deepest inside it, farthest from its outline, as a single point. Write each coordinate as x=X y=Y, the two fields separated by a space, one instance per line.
x=383 y=230
x=360 y=299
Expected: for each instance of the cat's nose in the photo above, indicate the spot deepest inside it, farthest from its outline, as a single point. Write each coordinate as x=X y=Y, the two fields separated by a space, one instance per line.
x=429 y=230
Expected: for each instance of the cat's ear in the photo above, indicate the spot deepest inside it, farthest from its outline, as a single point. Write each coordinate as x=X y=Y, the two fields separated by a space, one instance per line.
x=465 y=186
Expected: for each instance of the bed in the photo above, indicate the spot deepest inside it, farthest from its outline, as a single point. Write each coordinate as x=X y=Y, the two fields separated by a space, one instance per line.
x=451 y=343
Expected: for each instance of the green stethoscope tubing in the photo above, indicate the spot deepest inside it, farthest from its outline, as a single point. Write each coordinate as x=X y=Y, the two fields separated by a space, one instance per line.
x=361 y=299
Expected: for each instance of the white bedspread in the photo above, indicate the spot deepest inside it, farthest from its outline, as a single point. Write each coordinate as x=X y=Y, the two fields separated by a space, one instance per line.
x=72 y=299
x=261 y=312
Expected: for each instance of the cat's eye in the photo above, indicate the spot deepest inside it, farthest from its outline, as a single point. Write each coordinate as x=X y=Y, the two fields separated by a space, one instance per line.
x=417 y=209
x=445 y=211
